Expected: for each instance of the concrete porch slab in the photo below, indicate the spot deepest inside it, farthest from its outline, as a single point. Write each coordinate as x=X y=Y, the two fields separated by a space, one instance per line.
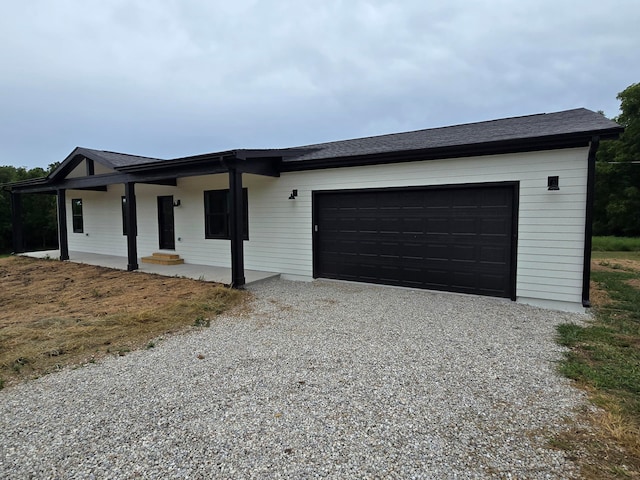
x=187 y=270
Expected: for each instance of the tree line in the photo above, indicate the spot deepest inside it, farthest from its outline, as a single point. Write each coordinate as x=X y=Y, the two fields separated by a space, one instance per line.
x=616 y=209
x=617 y=198
x=39 y=218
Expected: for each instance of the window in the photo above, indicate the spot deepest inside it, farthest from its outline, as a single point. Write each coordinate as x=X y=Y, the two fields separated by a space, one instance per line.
x=76 y=214
x=216 y=214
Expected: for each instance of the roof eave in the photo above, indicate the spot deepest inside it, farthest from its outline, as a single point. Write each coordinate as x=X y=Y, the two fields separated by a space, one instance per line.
x=207 y=158
x=550 y=142
x=25 y=183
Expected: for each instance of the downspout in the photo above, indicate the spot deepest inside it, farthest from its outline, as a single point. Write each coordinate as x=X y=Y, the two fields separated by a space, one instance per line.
x=588 y=226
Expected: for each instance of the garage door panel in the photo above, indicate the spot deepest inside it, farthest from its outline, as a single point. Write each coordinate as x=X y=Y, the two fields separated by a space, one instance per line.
x=464 y=253
x=452 y=238
x=464 y=226
x=495 y=226
x=464 y=280
x=435 y=225
x=497 y=254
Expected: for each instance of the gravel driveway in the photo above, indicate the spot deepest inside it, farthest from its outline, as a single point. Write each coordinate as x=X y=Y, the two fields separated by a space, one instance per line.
x=321 y=379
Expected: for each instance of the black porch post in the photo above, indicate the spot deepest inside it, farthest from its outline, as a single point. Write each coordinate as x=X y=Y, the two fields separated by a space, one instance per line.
x=62 y=225
x=132 y=226
x=235 y=227
x=16 y=223
x=588 y=224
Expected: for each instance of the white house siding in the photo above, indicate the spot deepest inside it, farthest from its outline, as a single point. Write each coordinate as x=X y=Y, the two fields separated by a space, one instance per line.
x=550 y=223
x=102 y=222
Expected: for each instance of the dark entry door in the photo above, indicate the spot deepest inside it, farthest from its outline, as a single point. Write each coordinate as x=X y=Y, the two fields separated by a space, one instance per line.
x=165 y=223
x=458 y=239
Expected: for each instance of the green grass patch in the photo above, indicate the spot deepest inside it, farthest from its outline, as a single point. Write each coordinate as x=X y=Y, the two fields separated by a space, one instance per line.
x=606 y=353
x=615 y=244
x=604 y=358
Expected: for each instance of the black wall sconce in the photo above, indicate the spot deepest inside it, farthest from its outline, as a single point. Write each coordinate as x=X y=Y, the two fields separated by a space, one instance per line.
x=294 y=194
x=176 y=203
x=553 y=183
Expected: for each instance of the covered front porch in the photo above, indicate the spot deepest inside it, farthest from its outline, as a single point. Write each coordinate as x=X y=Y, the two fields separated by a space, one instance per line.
x=204 y=273
x=107 y=188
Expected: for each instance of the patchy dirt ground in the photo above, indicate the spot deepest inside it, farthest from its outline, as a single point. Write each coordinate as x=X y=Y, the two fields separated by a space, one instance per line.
x=57 y=313
x=598 y=296
x=611 y=264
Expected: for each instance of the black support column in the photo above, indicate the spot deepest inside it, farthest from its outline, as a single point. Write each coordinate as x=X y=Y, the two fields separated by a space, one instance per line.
x=588 y=225
x=16 y=223
x=132 y=226
x=63 y=241
x=235 y=227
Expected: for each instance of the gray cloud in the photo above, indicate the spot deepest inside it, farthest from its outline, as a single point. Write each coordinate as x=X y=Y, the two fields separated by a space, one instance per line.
x=173 y=78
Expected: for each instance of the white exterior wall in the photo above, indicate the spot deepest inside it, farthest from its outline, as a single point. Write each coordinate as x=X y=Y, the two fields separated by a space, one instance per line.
x=550 y=223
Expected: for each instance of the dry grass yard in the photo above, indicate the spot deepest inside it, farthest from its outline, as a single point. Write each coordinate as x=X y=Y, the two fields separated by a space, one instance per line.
x=54 y=314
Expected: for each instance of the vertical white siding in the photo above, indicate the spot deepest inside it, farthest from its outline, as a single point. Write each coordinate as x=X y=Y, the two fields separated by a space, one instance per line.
x=550 y=223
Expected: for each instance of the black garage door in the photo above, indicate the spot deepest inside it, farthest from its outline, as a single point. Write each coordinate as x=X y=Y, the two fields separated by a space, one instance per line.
x=457 y=239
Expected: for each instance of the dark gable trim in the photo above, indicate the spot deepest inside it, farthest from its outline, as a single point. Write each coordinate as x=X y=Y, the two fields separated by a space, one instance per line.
x=67 y=165
x=443 y=153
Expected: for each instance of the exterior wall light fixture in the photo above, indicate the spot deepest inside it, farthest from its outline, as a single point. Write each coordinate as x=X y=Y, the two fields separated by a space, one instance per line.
x=176 y=203
x=294 y=194
x=553 y=183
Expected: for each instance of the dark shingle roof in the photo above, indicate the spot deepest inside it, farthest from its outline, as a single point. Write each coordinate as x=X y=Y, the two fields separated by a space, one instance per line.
x=116 y=160
x=546 y=130
x=575 y=121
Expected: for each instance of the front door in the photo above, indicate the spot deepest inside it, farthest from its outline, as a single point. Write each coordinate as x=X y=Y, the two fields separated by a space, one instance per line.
x=165 y=222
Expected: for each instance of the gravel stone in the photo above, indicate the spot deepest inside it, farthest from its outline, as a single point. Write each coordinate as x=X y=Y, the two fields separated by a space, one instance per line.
x=320 y=380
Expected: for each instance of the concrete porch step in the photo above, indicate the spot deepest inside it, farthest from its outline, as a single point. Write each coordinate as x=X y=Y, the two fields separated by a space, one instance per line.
x=160 y=258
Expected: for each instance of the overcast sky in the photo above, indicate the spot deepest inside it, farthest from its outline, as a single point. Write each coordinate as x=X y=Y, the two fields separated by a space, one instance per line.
x=169 y=78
